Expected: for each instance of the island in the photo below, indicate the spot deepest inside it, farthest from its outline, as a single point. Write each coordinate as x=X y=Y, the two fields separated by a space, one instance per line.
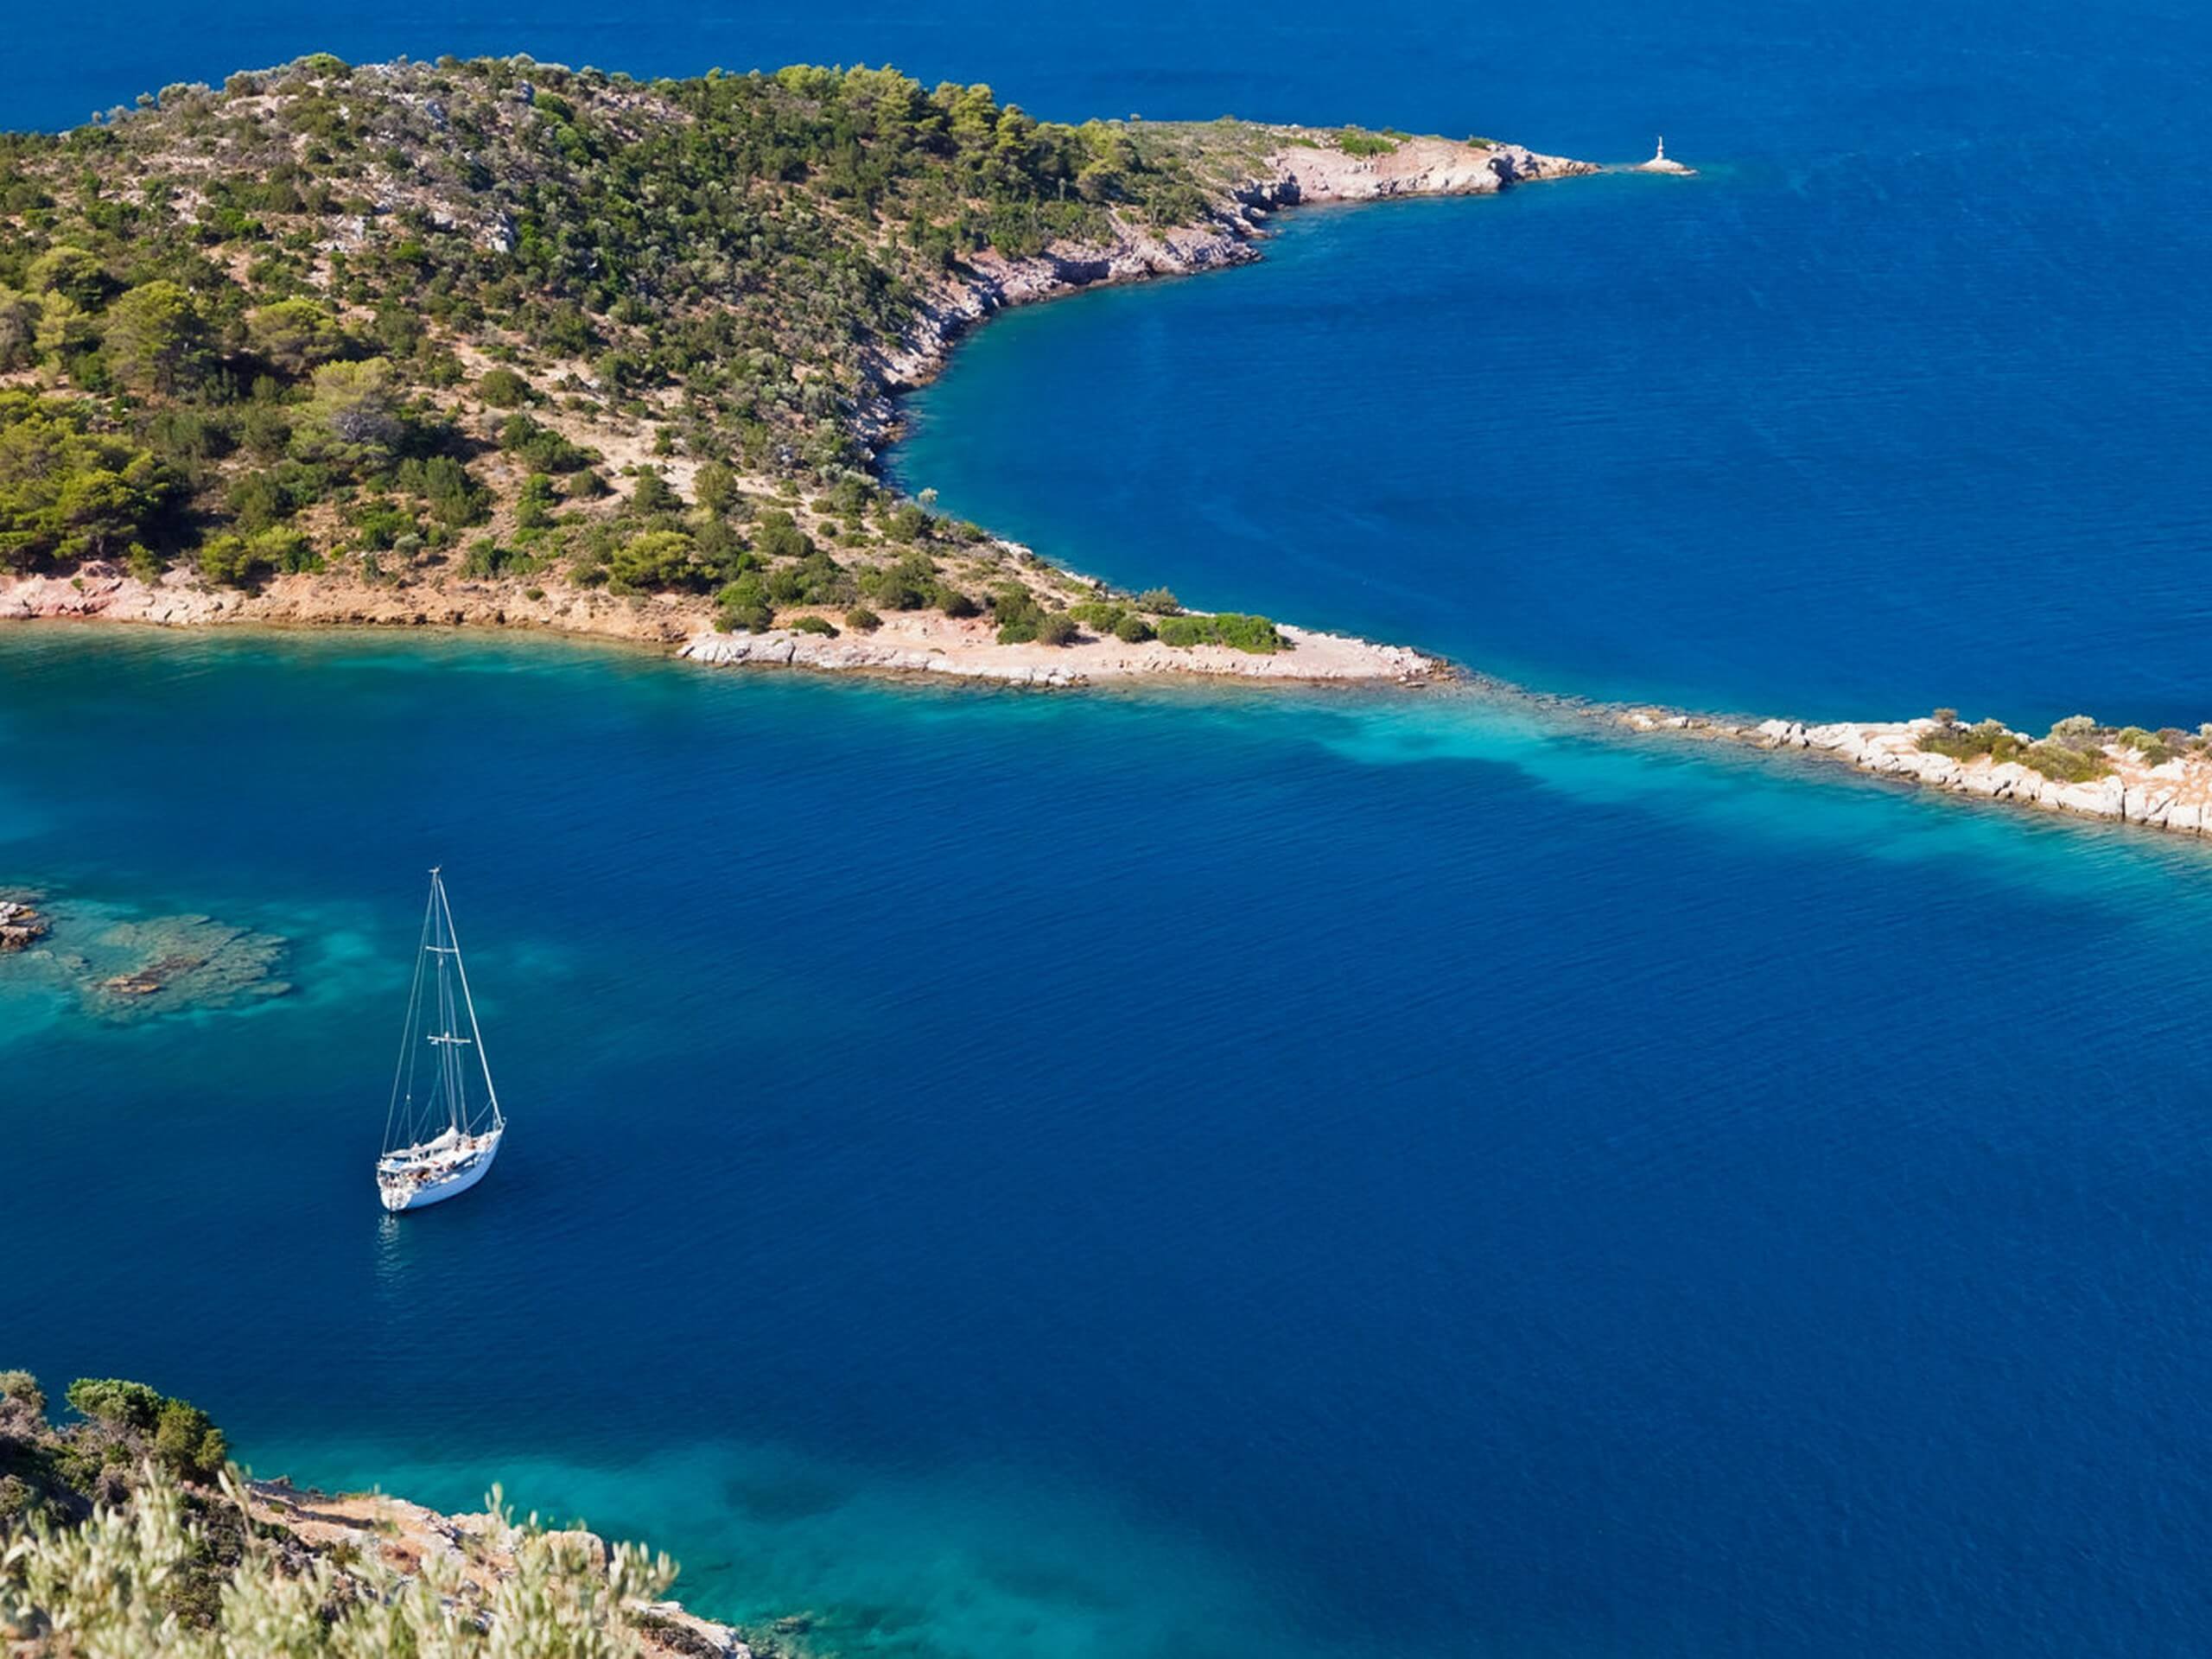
x=501 y=343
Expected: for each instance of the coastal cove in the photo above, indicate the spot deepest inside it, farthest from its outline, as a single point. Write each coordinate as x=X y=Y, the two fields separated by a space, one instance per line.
x=894 y=1303
x=1559 y=1138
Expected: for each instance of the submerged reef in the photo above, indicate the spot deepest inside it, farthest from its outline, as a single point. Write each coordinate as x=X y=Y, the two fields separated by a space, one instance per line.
x=122 y=968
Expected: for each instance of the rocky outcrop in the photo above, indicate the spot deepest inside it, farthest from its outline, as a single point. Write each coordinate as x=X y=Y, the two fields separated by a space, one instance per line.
x=1317 y=172
x=2172 y=794
x=21 y=924
x=407 y=1536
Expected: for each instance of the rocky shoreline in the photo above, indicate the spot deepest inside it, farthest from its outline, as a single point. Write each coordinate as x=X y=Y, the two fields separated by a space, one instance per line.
x=921 y=643
x=1298 y=168
x=2173 y=793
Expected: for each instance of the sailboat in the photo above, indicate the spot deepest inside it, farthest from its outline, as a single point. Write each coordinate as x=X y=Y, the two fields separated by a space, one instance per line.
x=436 y=1142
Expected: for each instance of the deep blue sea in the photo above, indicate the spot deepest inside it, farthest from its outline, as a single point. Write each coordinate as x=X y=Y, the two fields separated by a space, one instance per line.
x=1201 y=1175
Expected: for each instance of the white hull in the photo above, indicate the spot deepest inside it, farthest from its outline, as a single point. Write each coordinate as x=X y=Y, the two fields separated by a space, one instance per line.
x=413 y=1188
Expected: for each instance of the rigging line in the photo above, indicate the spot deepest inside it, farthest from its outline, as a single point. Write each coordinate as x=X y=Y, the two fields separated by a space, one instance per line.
x=491 y=1093
x=405 y=1067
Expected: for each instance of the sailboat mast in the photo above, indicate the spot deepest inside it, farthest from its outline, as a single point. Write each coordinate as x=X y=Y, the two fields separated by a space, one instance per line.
x=448 y=1062
x=475 y=1032
x=403 y=1074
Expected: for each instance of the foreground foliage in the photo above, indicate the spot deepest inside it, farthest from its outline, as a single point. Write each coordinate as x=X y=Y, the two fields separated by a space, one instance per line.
x=161 y=1559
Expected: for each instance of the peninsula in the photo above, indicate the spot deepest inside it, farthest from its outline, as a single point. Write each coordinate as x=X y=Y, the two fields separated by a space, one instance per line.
x=496 y=342
x=500 y=343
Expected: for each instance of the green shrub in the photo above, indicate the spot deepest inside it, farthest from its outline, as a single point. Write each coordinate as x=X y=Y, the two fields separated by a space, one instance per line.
x=2064 y=764
x=294 y=335
x=1057 y=628
x=68 y=492
x=821 y=625
x=862 y=620
x=715 y=486
x=1988 y=737
x=743 y=607
x=657 y=560
x=456 y=499
x=654 y=493
x=540 y=447
x=1160 y=601
x=1354 y=141
x=1019 y=613
x=503 y=388
x=186 y=1444
x=116 y=1403
x=282 y=547
x=1133 y=629
x=776 y=535
x=1253 y=634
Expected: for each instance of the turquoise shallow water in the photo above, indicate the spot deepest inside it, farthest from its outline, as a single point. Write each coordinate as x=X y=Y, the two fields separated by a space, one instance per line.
x=1194 y=1175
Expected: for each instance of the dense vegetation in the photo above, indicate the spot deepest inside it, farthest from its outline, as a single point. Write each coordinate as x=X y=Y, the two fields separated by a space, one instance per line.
x=122 y=1427
x=126 y=1536
x=499 y=321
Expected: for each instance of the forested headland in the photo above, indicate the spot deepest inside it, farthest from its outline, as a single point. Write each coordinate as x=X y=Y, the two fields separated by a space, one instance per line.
x=497 y=321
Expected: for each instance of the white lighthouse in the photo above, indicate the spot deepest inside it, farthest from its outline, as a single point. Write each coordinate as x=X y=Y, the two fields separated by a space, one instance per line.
x=1659 y=163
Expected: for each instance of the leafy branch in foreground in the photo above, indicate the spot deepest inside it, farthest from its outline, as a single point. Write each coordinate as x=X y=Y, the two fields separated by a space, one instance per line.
x=116 y=1585
x=127 y=1535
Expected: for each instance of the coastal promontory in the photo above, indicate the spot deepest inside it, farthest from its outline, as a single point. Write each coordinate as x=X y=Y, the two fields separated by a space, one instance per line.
x=499 y=342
